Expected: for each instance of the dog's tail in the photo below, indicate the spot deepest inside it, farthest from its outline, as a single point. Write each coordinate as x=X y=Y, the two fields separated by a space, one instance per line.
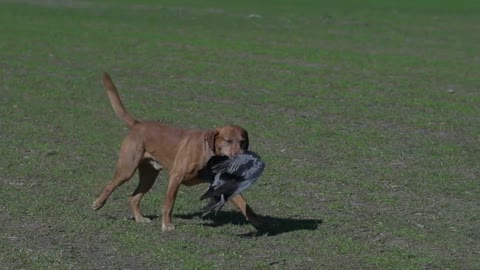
x=117 y=104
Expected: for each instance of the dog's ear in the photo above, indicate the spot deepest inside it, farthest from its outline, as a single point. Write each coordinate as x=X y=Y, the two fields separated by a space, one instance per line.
x=247 y=141
x=210 y=139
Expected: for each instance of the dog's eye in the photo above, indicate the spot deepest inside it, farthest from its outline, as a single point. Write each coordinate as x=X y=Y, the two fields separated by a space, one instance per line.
x=228 y=141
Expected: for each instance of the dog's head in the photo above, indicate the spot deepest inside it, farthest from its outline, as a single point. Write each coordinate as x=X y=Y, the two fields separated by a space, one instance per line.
x=228 y=140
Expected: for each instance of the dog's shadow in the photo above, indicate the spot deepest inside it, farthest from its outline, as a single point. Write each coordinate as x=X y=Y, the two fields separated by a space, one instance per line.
x=270 y=225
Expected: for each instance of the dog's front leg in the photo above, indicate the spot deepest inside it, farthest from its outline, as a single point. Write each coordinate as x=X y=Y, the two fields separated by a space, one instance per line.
x=242 y=205
x=174 y=183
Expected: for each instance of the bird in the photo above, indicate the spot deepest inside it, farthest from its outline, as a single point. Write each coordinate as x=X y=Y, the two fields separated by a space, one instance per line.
x=231 y=176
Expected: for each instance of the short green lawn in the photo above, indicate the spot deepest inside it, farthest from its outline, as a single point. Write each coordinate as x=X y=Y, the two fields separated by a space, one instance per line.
x=367 y=115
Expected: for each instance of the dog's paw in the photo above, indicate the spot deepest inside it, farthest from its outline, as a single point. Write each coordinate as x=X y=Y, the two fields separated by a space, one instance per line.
x=97 y=205
x=168 y=227
x=143 y=220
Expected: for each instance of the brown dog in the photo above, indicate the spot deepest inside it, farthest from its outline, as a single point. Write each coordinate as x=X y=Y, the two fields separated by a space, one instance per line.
x=151 y=147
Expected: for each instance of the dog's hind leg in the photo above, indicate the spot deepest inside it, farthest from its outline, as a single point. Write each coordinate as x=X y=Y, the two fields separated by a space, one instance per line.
x=131 y=153
x=147 y=176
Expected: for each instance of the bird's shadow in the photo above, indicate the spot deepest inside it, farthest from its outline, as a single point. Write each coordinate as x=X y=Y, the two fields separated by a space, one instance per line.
x=269 y=225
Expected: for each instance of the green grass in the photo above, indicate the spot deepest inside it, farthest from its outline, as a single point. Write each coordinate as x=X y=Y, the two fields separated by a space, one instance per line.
x=366 y=113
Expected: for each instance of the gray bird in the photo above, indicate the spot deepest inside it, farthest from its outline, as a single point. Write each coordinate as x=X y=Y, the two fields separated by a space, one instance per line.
x=231 y=177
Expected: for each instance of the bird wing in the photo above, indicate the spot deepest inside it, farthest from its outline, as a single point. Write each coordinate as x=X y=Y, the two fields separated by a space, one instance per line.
x=236 y=165
x=249 y=177
x=251 y=170
x=232 y=176
x=223 y=184
x=221 y=166
x=239 y=164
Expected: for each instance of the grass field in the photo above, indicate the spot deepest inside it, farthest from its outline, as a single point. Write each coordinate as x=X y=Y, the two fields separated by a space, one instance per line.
x=366 y=113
